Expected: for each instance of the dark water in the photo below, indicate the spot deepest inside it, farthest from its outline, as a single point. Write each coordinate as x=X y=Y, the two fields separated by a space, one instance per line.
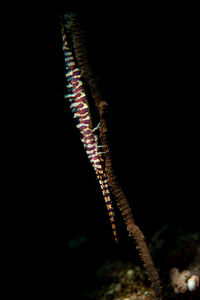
x=147 y=68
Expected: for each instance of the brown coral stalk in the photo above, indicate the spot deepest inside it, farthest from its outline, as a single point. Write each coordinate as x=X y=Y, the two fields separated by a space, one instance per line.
x=102 y=106
x=125 y=209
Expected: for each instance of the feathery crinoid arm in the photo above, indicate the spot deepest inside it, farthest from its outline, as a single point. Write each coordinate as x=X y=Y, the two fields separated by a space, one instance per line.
x=77 y=98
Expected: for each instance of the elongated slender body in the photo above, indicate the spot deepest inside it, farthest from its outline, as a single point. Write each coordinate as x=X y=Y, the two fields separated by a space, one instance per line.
x=77 y=98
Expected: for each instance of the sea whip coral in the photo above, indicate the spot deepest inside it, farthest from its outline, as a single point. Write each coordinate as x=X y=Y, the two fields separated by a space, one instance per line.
x=79 y=48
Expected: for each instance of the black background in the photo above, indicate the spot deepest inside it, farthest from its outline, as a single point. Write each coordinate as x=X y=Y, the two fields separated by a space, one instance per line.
x=147 y=63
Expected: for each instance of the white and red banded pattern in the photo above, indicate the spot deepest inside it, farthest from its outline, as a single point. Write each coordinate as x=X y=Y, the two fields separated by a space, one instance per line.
x=76 y=96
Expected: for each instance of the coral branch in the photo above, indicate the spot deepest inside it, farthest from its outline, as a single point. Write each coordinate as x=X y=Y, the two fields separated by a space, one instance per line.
x=102 y=106
x=125 y=209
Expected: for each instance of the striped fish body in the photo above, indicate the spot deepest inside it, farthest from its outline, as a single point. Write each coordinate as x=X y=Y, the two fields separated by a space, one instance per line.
x=78 y=103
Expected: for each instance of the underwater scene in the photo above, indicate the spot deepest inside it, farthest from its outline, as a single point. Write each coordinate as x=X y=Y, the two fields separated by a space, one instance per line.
x=102 y=201
x=129 y=154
